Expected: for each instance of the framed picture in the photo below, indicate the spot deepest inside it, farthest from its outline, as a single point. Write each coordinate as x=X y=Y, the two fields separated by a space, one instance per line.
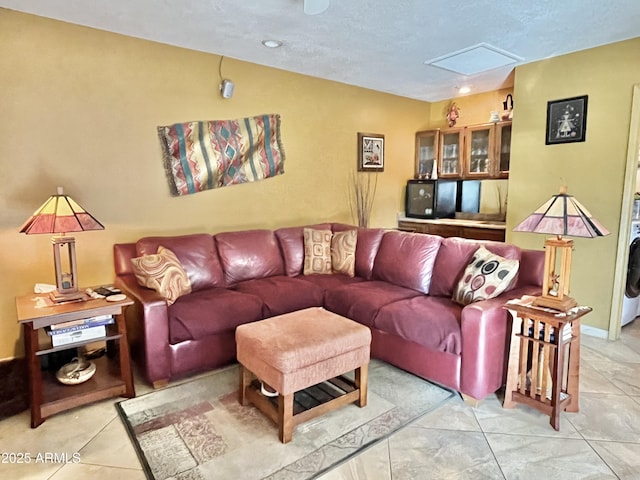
x=370 y=152
x=566 y=120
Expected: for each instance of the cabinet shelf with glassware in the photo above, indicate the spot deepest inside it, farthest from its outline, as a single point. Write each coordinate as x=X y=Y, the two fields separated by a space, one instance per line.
x=450 y=151
x=426 y=152
x=471 y=152
x=487 y=151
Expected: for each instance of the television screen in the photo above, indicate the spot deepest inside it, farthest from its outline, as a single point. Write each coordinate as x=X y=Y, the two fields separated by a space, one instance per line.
x=431 y=198
x=420 y=198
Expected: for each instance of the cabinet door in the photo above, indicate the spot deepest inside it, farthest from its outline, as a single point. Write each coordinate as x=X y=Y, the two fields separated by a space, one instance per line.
x=426 y=149
x=479 y=151
x=450 y=153
x=503 y=149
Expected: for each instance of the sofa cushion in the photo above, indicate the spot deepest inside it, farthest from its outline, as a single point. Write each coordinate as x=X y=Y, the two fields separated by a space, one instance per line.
x=209 y=312
x=406 y=259
x=282 y=294
x=486 y=276
x=433 y=322
x=343 y=252
x=291 y=241
x=361 y=301
x=197 y=255
x=366 y=248
x=453 y=257
x=163 y=273
x=250 y=254
x=329 y=282
x=317 y=252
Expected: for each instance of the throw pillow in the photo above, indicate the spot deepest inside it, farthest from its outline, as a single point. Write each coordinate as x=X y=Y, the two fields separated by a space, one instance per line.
x=163 y=273
x=343 y=252
x=487 y=275
x=317 y=251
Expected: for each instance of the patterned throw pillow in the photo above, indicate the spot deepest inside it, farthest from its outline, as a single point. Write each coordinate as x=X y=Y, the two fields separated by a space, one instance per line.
x=163 y=273
x=317 y=251
x=343 y=252
x=487 y=275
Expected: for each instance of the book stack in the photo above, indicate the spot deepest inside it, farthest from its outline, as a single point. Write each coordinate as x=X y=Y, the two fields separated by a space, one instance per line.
x=79 y=330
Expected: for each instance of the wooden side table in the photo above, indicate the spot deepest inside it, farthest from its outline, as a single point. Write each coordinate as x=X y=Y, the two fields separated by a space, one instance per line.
x=113 y=377
x=544 y=359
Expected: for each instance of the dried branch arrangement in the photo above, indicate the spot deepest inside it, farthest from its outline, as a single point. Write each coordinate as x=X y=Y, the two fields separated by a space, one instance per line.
x=363 y=192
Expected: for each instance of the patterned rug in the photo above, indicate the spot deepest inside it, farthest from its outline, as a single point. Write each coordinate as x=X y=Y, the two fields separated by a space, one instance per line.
x=198 y=430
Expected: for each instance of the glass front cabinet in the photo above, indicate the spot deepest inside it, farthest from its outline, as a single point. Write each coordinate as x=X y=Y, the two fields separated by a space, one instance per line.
x=479 y=151
x=426 y=150
x=503 y=144
x=472 y=152
x=450 y=153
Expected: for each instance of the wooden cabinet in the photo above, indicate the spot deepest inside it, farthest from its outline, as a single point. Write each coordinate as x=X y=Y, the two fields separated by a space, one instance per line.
x=450 y=152
x=471 y=152
x=113 y=377
x=479 y=151
x=453 y=230
x=426 y=150
x=503 y=149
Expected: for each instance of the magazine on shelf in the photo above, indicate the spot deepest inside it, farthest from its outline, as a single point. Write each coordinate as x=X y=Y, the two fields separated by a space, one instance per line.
x=74 y=325
x=89 y=333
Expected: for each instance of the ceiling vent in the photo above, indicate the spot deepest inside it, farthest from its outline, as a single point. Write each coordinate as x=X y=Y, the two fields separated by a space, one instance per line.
x=476 y=59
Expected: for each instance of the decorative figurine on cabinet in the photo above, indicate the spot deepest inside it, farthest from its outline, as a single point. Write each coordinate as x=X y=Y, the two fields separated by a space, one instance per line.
x=453 y=114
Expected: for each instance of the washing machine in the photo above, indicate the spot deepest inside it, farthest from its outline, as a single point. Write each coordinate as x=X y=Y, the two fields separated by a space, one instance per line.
x=631 y=301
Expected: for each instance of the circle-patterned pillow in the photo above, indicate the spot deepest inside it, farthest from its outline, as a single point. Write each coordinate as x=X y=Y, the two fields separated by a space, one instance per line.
x=486 y=276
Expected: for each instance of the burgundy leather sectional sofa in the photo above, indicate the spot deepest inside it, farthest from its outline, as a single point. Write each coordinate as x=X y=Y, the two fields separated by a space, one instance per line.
x=402 y=290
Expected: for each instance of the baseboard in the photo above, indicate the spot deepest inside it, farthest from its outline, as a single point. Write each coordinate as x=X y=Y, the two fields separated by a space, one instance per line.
x=594 y=332
x=14 y=396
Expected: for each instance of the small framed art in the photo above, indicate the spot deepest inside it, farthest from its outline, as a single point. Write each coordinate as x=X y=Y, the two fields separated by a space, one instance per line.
x=370 y=152
x=566 y=120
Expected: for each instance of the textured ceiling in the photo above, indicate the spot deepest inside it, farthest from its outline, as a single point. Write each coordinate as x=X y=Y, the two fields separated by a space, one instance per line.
x=376 y=44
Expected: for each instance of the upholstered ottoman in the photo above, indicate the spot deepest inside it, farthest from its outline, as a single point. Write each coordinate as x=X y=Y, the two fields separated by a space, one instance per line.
x=298 y=350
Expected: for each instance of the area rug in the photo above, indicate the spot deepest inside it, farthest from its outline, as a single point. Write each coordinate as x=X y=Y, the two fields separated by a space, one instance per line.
x=198 y=430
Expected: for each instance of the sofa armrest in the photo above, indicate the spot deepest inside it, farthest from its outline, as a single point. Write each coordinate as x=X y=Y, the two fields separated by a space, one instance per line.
x=485 y=329
x=147 y=328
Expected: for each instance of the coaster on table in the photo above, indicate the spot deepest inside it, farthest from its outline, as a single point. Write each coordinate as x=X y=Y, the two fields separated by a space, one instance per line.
x=116 y=298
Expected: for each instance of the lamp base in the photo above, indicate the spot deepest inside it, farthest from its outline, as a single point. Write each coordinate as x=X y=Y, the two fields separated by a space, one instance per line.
x=563 y=305
x=58 y=297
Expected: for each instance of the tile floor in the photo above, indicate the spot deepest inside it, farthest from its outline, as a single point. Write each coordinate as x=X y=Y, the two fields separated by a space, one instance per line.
x=602 y=441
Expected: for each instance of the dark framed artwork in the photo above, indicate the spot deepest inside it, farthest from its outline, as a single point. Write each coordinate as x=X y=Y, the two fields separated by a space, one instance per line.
x=566 y=120
x=370 y=152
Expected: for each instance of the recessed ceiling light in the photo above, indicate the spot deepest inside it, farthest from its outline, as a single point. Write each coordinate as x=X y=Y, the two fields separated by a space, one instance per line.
x=272 y=43
x=465 y=89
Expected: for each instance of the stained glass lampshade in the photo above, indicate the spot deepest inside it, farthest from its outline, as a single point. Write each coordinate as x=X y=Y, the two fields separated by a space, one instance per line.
x=60 y=214
x=561 y=215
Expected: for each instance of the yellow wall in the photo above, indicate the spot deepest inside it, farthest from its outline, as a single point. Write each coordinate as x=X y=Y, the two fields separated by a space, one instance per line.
x=80 y=109
x=593 y=170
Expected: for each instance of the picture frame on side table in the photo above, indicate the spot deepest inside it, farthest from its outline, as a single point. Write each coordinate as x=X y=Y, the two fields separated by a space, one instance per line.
x=370 y=152
x=566 y=120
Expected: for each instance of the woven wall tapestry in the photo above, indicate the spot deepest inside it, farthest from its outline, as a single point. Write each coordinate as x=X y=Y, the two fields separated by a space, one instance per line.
x=201 y=156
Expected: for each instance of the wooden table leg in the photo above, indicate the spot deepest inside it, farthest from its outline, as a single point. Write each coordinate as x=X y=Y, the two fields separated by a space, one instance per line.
x=245 y=381
x=573 y=376
x=34 y=372
x=125 y=358
x=362 y=380
x=556 y=373
x=285 y=417
x=514 y=356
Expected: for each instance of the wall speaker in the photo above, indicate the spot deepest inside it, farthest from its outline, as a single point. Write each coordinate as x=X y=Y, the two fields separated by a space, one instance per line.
x=226 y=89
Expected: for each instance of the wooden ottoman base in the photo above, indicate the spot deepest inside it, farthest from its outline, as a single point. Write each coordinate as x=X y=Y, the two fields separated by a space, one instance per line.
x=287 y=412
x=308 y=351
